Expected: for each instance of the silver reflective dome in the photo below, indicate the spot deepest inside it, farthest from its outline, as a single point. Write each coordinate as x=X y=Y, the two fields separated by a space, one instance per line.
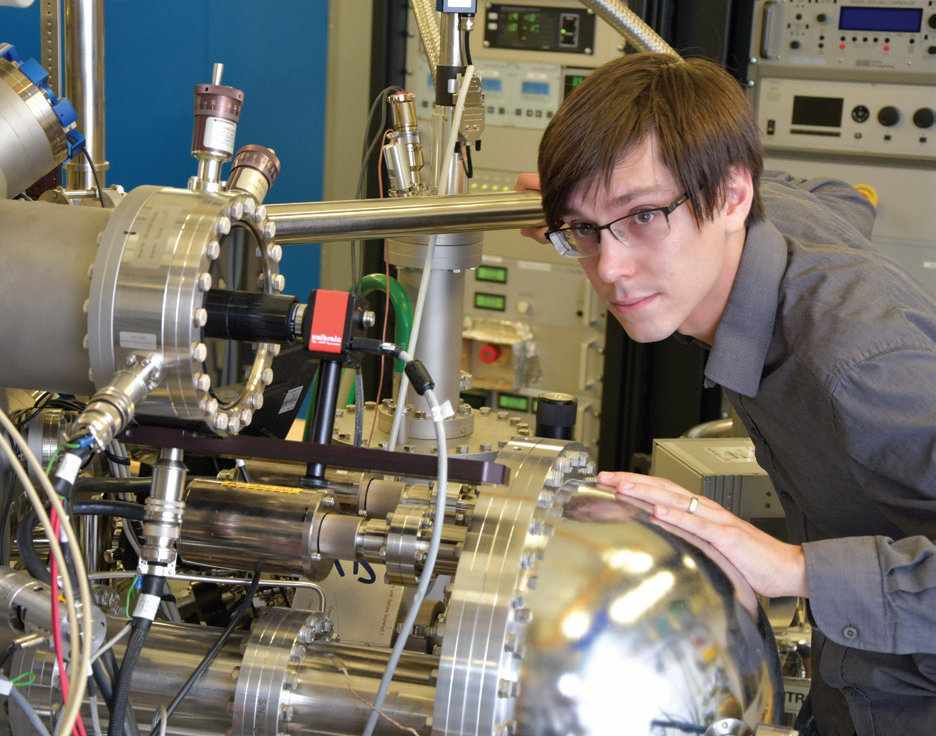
x=635 y=631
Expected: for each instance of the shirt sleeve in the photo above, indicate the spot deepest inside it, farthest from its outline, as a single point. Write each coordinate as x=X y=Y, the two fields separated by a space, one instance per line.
x=841 y=198
x=875 y=592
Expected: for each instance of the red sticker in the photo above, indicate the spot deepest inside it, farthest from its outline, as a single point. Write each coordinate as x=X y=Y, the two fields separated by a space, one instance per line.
x=328 y=321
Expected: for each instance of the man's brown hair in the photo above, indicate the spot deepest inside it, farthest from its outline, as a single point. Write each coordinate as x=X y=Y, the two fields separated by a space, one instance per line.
x=703 y=123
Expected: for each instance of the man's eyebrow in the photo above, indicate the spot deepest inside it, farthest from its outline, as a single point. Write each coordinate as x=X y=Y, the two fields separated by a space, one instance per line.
x=635 y=193
x=619 y=201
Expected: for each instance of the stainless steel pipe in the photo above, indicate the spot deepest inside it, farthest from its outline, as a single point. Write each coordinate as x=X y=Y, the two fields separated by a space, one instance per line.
x=84 y=86
x=317 y=698
x=630 y=25
x=320 y=222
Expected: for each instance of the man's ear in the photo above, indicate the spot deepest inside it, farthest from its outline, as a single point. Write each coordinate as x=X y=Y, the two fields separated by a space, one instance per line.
x=739 y=198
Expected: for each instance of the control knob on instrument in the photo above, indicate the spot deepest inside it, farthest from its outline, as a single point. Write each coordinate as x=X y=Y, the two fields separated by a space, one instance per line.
x=888 y=116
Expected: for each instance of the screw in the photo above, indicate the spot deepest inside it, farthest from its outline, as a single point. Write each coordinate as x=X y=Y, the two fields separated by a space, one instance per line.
x=235 y=210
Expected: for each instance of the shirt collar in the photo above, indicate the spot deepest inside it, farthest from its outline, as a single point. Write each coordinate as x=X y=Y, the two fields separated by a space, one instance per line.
x=736 y=361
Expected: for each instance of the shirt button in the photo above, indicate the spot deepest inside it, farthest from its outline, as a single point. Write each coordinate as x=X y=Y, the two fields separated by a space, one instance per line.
x=850 y=692
x=850 y=632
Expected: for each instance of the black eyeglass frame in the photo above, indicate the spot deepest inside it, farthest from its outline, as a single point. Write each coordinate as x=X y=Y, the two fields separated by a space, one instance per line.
x=566 y=249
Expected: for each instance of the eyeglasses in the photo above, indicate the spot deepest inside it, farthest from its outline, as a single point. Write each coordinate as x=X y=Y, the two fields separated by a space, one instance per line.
x=641 y=228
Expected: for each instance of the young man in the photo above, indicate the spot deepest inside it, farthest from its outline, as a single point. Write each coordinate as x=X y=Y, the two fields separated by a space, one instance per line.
x=651 y=174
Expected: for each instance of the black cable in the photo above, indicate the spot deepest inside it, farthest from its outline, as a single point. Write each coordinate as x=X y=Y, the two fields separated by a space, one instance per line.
x=24 y=531
x=103 y=670
x=116 y=458
x=152 y=586
x=365 y=157
x=92 y=484
x=7 y=653
x=97 y=183
x=6 y=513
x=467 y=44
x=213 y=652
x=466 y=159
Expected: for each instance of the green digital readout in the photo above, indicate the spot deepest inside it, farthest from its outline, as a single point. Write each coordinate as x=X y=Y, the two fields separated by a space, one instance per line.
x=491 y=273
x=513 y=402
x=490 y=301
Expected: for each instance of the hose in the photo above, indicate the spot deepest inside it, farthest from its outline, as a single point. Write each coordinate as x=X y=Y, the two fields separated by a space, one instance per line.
x=142 y=621
x=24 y=530
x=402 y=309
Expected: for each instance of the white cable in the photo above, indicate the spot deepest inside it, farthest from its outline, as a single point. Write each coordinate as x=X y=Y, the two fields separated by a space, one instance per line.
x=95 y=717
x=81 y=642
x=160 y=717
x=427 y=268
x=425 y=577
x=55 y=548
x=108 y=645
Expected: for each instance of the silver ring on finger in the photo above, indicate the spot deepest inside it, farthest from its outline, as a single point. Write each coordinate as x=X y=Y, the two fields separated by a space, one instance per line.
x=693 y=505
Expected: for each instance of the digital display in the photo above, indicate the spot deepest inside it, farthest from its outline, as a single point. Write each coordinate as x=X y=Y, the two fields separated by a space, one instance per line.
x=822 y=111
x=491 y=85
x=535 y=88
x=573 y=79
x=894 y=20
x=491 y=273
x=522 y=27
x=490 y=301
x=513 y=402
x=531 y=28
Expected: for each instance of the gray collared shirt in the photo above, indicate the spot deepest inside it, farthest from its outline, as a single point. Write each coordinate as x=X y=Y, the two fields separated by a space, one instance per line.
x=827 y=351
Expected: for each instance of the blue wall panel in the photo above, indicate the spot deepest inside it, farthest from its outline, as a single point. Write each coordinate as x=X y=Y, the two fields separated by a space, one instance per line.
x=155 y=54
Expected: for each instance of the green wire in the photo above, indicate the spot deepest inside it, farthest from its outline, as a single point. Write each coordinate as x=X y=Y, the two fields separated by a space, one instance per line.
x=17 y=683
x=129 y=592
x=55 y=454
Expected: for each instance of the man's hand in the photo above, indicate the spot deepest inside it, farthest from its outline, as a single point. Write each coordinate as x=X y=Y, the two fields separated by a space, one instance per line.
x=773 y=568
x=531 y=183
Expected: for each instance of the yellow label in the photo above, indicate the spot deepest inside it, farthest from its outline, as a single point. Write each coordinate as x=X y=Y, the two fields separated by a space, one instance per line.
x=260 y=487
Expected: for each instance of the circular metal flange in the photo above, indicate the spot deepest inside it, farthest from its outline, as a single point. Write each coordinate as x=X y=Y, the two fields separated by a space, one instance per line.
x=453 y=251
x=148 y=292
x=407 y=527
x=487 y=617
x=268 y=674
x=34 y=141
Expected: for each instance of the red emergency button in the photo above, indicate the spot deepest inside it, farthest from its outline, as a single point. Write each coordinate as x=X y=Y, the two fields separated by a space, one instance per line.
x=489 y=353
